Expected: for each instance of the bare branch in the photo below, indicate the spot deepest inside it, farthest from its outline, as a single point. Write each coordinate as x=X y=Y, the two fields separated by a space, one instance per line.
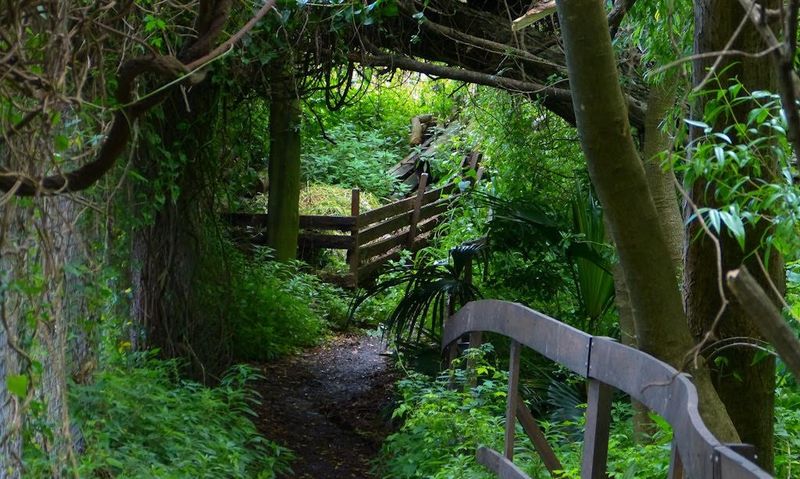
x=766 y=317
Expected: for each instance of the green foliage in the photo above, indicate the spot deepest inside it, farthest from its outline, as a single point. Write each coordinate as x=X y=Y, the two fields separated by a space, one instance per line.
x=446 y=419
x=662 y=32
x=278 y=308
x=747 y=168
x=321 y=199
x=359 y=159
x=787 y=431
x=356 y=145
x=520 y=140
x=528 y=238
x=139 y=421
x=420 y=312
x=444 y=425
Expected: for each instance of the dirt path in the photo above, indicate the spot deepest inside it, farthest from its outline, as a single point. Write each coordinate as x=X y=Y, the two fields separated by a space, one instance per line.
x=330 y=405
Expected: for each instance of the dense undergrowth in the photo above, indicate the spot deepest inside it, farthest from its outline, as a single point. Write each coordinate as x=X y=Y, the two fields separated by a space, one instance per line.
x=140 y=420
x=445 y=419
x=280 y=307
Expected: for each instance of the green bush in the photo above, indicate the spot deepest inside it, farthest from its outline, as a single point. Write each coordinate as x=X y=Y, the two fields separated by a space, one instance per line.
x=359 y=159
x=141 y=422
x=279 y=308
x=444 y=426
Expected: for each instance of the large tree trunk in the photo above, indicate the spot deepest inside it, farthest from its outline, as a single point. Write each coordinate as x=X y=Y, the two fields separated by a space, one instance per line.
x=619 y=178
x=747 y=389
x=662 y=188
x=283 y=221
x=178 y=260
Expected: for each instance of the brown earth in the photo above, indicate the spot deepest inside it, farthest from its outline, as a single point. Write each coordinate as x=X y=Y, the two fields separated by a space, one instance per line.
x=331 y=406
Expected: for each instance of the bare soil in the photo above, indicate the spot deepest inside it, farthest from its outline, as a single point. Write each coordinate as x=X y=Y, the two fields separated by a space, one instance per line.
x=331 y=406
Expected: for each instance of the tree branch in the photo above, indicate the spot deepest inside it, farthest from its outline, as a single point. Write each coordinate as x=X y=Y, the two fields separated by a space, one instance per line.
x=559 y=100
x=120 y=132
x=766 y=317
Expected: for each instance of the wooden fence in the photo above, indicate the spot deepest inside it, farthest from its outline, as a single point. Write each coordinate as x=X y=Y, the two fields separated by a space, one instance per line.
x=696 y=453
x=374 y=237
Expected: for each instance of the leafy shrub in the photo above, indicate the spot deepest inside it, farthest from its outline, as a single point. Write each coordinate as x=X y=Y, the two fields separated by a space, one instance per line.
x=444 y=426
x=359 y=159
x=141 y=422
x=787 y=431
x=272 y=318
x=279 y=308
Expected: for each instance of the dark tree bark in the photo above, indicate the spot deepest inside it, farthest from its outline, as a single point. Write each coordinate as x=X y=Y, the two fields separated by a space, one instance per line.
x=619 y=178
x=747 y=389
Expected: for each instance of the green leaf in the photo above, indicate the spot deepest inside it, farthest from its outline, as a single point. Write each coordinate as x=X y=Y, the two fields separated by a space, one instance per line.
x=734 y=224
x=697 y=124
x=61 y=143
x=720 y=154
x=17 y=384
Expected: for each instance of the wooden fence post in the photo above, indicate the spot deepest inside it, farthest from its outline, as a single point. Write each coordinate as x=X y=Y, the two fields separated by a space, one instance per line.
x=412 y=231
x=355 y=258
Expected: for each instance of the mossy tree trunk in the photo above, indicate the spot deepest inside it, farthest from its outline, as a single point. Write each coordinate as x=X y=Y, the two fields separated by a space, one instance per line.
x=283 y=222
x=661 y=183
x=619 y=178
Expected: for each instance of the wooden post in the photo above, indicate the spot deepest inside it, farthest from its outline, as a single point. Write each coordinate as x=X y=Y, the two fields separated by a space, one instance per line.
x=511 y=401
x=475 y=337
x=355 y=258
x=595 y=439
x=675 y=463
x=536 y=435
x=412 y=231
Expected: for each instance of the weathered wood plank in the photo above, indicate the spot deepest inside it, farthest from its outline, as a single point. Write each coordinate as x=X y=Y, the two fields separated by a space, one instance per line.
x=536 y=436
x=511 y=398
x=340 y=223
x=318 y=240
x=435 y=208
x=607 y=363
x=354 y=253
x=449 y=190
x=382 y=246
x=598 y=424
x=553 y=339
x=498 y=464
x=428 y=224
x=384 y=228
x=366 y=271
x=733 y=465
x=675 y=464
x=661 y=388
x=412 y=230
x=386 y=211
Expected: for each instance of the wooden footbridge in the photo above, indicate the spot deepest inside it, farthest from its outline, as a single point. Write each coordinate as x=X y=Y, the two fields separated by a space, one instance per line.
x=606 y=364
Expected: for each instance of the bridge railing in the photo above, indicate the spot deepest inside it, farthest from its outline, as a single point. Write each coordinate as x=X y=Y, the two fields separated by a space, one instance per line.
x=606 y=364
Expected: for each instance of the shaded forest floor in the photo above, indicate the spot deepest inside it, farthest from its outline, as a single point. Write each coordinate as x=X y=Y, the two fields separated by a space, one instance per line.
x=330 y=405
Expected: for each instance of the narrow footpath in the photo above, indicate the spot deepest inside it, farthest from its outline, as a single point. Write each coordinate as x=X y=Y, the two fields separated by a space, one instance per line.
x=331 y=406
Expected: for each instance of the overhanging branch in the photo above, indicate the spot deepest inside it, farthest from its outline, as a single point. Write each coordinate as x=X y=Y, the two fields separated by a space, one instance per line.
x=558 y=100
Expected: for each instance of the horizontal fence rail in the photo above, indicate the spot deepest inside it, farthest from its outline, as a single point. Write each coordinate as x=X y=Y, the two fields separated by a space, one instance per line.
x=374 y=237
x=606 y=364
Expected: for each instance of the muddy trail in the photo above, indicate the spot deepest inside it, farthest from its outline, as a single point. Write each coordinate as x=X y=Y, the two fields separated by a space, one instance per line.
x=331 y=406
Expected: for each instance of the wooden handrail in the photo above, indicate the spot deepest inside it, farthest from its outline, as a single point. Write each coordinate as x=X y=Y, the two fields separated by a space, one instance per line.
x=604 y=362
